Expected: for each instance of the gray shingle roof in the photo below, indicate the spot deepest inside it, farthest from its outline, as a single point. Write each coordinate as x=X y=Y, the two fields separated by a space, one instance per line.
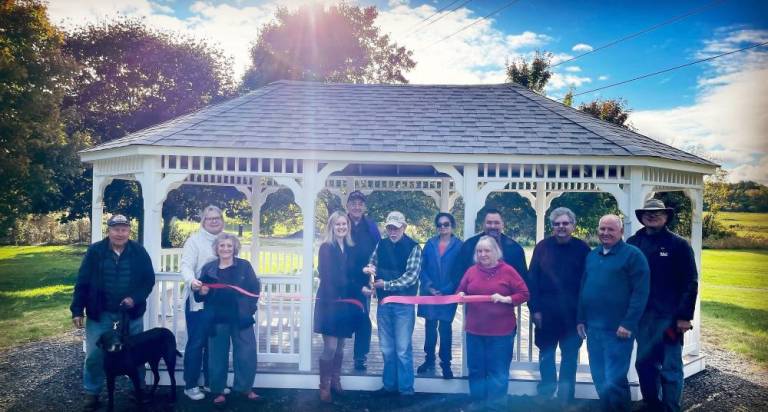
x=480 y=119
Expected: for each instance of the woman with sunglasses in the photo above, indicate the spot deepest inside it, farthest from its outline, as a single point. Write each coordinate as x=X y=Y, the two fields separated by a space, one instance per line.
x=437 y=259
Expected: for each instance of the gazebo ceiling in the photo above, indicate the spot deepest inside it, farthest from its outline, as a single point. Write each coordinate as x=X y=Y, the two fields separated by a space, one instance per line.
x=478 y=119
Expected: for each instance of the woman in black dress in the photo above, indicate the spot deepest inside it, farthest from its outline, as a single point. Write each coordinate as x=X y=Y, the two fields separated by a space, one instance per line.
x=335 y=319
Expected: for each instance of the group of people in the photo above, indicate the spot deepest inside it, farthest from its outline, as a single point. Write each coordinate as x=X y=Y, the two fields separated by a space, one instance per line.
x=643 y=289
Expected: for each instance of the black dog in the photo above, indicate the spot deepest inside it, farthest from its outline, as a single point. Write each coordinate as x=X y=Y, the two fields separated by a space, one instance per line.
x=123 y=355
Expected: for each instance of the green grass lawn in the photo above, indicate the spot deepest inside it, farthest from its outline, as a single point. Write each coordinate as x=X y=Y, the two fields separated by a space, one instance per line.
x=745 y=224
x=36 y=284
x=734 y=301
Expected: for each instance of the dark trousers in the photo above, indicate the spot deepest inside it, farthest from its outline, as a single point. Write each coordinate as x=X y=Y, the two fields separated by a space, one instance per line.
x=363 y=334
x=659 y=364
x=609 y=358
x=488 y=360
x=196 y=350
x=431 y=329
x=547 y=340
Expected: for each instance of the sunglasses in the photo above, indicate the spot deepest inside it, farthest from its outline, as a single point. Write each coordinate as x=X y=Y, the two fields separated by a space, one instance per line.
x=444 y=224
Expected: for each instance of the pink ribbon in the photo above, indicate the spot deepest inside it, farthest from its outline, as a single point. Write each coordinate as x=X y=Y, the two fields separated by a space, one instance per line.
x=288 y=297
x=436 y=300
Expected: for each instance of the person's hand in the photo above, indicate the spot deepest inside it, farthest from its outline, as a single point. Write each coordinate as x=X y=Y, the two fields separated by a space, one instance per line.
x=370 y=270
x=581 y=329
x=127 y=303
x=434 y=292
x=499 y=298
x=379 y=284
x=537 y=319
x=78 y=322
x=196 y=284
x=461 y=297
x=204 y=290
x=366 y=291
x=623 y=333
x=683 y=326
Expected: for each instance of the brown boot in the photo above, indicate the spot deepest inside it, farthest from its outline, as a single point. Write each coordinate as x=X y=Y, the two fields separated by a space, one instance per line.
x=325 y=380
x=336 y=373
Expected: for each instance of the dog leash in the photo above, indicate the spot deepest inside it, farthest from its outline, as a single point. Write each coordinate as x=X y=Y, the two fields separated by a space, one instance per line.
x=436 y=300
x=289 y=297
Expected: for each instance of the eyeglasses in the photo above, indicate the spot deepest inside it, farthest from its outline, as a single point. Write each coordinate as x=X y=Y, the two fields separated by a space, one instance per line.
x=556 y=224
x=444 y=224
x=212 y=219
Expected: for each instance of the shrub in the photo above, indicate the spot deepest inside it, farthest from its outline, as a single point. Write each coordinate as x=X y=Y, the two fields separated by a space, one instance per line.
x=39 y=229
x=736 y=242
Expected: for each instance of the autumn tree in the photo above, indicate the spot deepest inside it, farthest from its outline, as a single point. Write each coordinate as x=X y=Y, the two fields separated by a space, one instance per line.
x=36 y=156
x=533 y=75
x=611 y=110
x=338 y=43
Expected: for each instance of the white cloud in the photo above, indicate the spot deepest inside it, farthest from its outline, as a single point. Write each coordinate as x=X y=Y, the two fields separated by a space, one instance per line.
x=603 y=77
x=573 y=69
x=560 y=81
x=581 y=48
x=729 y=119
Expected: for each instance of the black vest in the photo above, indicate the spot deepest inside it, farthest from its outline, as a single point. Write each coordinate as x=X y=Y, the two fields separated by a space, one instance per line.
x=392 y=258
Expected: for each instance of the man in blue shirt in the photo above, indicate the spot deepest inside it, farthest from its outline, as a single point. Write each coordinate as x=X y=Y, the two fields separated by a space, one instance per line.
x=614 y=292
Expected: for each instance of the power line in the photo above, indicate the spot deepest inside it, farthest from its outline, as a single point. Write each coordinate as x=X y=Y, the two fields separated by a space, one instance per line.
x=646 y=30
x=672 y=68
x=410 y=29
x=441 y=17
x=500 y=9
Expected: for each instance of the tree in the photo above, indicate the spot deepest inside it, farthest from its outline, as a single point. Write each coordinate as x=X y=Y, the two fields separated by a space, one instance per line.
x=340 y=43
x=533 y=75
x=35 y=157
x=610 y=110
x=131 y=77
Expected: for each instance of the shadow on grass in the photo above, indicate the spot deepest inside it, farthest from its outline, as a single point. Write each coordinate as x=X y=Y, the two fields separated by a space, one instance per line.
x=739 y=329
x=740 y=317
x=39 y=269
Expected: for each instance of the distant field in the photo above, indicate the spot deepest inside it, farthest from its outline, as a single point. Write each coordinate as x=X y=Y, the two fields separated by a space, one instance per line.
x=746 y=224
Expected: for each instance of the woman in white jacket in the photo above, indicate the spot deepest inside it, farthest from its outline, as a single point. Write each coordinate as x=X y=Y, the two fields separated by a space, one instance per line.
x=197 y=252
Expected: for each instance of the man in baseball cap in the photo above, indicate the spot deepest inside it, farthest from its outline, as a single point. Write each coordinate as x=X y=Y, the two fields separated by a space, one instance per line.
x=671 y=303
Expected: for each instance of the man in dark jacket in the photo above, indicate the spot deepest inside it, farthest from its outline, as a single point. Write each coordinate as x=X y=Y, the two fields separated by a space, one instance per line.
x=493 y=226
x=555 y=275
x=116 y=275
x=671 y=302
x=365 y=234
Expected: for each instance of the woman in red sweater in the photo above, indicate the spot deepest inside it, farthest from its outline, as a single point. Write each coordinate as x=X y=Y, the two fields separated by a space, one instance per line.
x=491 y=326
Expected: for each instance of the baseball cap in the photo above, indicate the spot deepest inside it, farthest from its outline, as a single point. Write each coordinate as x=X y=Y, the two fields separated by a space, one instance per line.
x=118 y=220
x=395 y=219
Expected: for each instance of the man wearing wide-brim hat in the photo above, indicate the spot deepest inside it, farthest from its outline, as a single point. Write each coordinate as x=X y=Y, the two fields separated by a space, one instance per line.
x=671 y=303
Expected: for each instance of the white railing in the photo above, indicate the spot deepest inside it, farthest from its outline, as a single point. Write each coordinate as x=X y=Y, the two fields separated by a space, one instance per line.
x=273 y=260
x=278 y=320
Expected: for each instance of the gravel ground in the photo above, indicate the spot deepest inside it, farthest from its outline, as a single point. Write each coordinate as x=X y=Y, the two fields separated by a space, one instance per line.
x=46 y=376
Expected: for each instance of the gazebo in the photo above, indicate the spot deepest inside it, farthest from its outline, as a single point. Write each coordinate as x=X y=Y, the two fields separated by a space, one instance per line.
x=447 y=141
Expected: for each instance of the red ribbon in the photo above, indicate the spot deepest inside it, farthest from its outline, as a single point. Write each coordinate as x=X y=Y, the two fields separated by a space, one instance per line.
x=436 y=300
x=289 y=297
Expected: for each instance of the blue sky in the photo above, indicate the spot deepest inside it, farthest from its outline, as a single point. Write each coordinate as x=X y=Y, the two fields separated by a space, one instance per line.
x=718 y=108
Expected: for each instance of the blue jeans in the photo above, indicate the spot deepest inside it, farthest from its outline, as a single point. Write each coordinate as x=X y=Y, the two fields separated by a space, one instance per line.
x=659 y=364
x=196 y=350
x=243 y=357
x=396 y=323
x=609 y=358
x=488 y=360
x=93 y=367
x=547 y=341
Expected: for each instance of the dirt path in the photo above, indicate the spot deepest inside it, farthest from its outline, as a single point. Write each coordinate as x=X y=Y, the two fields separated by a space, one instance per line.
x=46 y=376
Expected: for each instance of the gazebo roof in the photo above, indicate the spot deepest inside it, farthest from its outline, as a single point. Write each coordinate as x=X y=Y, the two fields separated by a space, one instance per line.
x=456 y=119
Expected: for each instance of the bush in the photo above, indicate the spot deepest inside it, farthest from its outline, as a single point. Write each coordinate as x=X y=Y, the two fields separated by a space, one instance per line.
x=181 y=230
x=48 y=229
x=736 y=242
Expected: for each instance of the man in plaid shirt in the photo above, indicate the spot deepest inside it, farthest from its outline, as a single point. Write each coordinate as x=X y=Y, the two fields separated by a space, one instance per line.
x=395 y=265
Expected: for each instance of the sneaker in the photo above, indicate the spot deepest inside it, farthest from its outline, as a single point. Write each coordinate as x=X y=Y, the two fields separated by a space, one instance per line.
x=425 y=368
x=194 y=393
x=91 y=402
x=226 y=391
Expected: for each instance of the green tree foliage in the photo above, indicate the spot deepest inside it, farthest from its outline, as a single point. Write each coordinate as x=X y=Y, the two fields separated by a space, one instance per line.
x=568 y=98
x=610 y=110
x=519 y=217
x=36 y=157
x=534 y=74
x=339 y=43
x=745 y=196
x=588 y=207
x=418 y=208
x=131 y=77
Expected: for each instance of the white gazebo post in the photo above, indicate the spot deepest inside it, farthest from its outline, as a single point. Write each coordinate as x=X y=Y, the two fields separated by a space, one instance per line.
x=541 y=209
x=97 y=205
x=697 y=215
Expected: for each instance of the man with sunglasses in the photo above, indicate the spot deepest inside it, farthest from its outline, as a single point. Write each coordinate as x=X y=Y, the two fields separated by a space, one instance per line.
x=668 y=314
x=554 y=280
